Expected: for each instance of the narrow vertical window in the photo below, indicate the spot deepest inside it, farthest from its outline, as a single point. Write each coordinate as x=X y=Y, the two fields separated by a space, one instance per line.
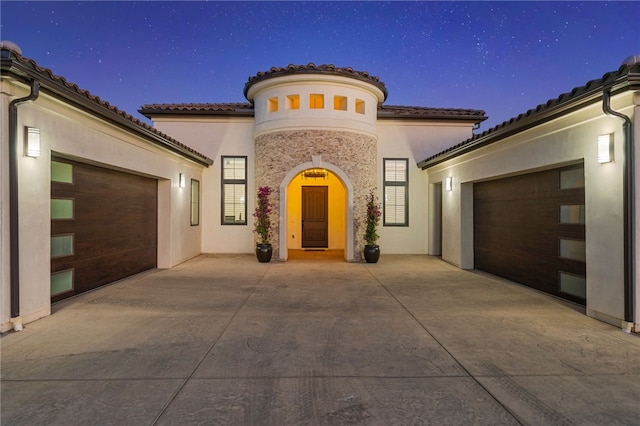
x=195 y=202
x=359 y=106
x=396 y=192
x=234 y=190
x=272 y=105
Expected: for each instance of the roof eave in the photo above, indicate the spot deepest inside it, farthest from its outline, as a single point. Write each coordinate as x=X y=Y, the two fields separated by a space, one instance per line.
x=150 y=113
x=457 y=118
x=336 y=71
x=524 y=122
x=59 y=90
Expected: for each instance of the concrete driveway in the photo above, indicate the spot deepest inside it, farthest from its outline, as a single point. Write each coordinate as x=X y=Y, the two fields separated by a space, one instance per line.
x=408 y=341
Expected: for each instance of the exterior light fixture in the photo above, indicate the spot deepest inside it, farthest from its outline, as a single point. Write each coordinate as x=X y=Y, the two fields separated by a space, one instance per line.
x=183 y=180
x=315 y=174
x=32 y=142
x=605 y=148
x=448 y=183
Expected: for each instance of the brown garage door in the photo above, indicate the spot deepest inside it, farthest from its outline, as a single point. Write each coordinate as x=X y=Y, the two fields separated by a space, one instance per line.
x=531 y=229
x=103 y=226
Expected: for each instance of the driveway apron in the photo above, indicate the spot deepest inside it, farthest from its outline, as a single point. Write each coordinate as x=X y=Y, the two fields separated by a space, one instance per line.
x=224 y=339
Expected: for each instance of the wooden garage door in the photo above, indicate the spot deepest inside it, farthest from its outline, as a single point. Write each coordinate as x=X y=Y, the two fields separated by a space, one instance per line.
x=103 y=226
x=531 y=229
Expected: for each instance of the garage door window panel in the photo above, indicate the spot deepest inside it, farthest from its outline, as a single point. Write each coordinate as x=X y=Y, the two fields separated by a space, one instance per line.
x=61 y=282
x=573 y=249
x=572 y=178
x=62 y=208
x=574 y=285
x=62 y=245
x=61 y=172
x=572 y=214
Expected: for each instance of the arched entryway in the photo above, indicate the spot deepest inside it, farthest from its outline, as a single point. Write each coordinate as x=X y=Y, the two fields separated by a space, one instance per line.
x=339 y=196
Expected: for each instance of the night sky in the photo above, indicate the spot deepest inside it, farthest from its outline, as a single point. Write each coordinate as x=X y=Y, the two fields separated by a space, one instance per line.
x=502 y=57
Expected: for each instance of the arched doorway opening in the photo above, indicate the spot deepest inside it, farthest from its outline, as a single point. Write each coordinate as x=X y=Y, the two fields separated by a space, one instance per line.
x=313 y=183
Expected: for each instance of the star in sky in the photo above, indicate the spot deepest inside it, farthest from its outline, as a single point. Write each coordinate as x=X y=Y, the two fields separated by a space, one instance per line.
x=502 y=57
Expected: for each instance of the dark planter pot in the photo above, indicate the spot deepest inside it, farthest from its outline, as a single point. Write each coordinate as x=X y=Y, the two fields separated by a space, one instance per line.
x=264 y=252
x=371 y=253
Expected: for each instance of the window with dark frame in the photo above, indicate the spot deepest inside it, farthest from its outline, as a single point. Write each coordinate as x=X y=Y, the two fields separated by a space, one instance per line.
x=195 y=202
x=234 y=191
x=396 y=192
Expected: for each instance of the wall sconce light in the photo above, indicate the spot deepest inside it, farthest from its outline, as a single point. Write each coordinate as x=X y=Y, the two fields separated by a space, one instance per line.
x=32 y=142
x=182 y=181
x=605 y=148
x=448 y=183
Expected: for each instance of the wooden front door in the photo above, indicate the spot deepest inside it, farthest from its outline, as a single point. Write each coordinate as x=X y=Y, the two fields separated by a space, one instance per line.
x=315 y=211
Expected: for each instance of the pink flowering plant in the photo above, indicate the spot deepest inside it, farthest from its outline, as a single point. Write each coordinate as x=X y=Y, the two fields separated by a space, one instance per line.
x=262 y=215
x=373 y=219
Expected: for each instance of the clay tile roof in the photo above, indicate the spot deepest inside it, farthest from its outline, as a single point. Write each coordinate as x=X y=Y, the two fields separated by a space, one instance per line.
x=398 y=111
x=628 y=73
x=385 y=111
x=237 y=108
x=312 y=68
x=14 y=62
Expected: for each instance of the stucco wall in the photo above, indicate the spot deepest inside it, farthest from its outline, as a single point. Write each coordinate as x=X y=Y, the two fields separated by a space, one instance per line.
x=70 y=133
x=216 y=137
x=421 y=139
x=569 y=139
x=304 y=117
x=416 y=141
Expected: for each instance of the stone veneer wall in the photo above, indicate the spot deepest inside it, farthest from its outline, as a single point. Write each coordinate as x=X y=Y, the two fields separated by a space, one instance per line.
x=353 y=153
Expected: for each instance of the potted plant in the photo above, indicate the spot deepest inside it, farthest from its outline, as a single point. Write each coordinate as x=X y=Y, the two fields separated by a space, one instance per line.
x=371 y=248
x=262 y=224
